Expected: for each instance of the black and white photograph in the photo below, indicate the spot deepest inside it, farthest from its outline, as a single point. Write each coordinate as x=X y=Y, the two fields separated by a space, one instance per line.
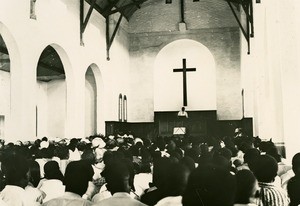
x=149 y=103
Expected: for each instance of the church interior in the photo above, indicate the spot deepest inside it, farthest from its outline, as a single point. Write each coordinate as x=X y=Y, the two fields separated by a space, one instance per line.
x=99 y=67
x=109 y=68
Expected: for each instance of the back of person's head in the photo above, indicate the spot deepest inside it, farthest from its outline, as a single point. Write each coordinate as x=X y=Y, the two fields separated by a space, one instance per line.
x=160 y=166
x=117 y=176
x=221 y=161
x=272 y=151
x=211 y=186
x=15 y=169
x=265 y=168
x=225 y=152
x=73 y=144
x=194 y=153
x=171 y=146
x=88 y=155
x=52 y=171
x=188 y=162
x=77 y=176
x=247 y=187
x=176 y=179
x=251 y=156
x=244 y=145
x=34 y=173
x=264 y=146
x=296 y=164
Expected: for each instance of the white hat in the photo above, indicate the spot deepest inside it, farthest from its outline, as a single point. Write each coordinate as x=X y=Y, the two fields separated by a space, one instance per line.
x=136 y=140
x=85 y=140
x=44 y=144
x=98 y=142
x=111 y=136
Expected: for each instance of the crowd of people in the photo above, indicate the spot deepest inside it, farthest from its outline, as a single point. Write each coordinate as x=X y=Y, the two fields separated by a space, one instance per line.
x=126 y=170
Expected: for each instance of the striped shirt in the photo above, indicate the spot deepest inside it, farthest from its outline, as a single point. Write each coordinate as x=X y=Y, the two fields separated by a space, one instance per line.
x=272 y=195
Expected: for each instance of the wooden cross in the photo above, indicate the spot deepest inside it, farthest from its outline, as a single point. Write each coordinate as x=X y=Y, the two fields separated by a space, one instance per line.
x=184 y=70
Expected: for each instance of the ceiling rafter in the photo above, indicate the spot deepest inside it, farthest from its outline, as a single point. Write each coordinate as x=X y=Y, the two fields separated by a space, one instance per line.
x=3 y=50
x=110 y=6
x=84 y=21
x=98 y=8
x=109 y=40
x=122 y=8
x=88 y=15
x=52 y=68
x=247 y=6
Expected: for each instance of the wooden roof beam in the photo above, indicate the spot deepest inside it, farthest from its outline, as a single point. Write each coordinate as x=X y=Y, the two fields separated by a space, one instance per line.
x=3 y=50
x=122 y=8
x=98 y=8
x=108 y=9
x=52 y=68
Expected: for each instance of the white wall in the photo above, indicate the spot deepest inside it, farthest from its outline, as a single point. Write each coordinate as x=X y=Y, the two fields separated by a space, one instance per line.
x=5 y=92
x=201 y=84
x=42 y=109
x=56 y=92
x=4 y=100
x=57 y=24
x=275 y=80
x=90 y=104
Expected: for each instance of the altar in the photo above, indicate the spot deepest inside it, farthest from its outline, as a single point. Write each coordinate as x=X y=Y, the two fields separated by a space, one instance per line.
x=199 y=123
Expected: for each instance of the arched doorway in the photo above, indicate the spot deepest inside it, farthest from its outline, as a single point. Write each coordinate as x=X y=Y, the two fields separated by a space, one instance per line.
x=90 y=103
x=94 y=111
x=4 y=85
x=52 y=95
x=10 y=107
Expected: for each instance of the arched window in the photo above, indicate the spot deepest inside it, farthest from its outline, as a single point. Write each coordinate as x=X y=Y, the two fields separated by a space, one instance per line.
x=125 y=108
x=120 y=107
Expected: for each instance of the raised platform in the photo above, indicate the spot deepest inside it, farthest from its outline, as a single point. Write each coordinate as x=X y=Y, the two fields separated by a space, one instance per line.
x=199 y=124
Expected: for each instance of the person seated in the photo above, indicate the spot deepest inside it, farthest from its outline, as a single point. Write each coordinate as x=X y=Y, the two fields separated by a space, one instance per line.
x=15 y=168
x=293 y=186
x=265 y=169
x=247 y=193
x=175 y=184
x=210 y=185
x=34 y=193
x=183 y=113
x=77 y=176
x=117 y=176
x=52 y=184
x=144 y=177
x=155 y=192
x=249 y=158
x=74 y=154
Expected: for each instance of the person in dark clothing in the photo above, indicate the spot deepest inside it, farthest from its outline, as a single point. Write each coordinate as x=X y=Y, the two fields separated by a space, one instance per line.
x=293 y=186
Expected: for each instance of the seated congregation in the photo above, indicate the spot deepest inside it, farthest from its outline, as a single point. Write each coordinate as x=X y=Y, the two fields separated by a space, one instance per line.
x=123 y=170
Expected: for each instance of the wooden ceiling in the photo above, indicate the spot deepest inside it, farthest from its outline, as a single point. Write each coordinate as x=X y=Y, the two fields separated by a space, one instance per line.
x=4 y=56
x=108 y=7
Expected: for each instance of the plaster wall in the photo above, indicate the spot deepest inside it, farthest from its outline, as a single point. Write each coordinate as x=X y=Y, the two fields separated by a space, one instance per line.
x=57 y=24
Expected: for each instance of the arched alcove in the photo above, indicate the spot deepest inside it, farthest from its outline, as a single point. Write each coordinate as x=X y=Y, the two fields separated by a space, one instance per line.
x=94 y=117
x=201 y=84
x=90 y=103
x=4 y=85
x=10 y=107
x=52 y=107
